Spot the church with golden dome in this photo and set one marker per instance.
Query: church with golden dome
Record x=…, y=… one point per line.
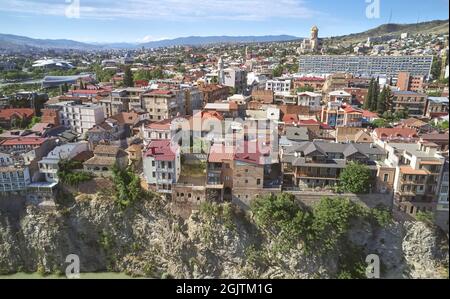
x=311, y=45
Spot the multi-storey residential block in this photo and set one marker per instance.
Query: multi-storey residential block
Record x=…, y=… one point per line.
x=164, y=104
x=319, y=164
x=315, y=82
x=48, y=166
x=14, y=177
x=165, y=129
x=406, y=135
x=418, y=171
x=406, y=82
x=366, y=65
x=162, y=165
x=335, y=114
x=414, y=103
x=235, y=78
x=279, y=84
x=80, y=118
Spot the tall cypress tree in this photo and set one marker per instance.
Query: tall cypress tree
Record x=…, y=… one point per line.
x=368, y=101
x=375, y=93
x=128, y=77
x=381, y=103
x=388, y=102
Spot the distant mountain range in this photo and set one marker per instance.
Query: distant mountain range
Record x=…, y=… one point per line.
x=14, y=42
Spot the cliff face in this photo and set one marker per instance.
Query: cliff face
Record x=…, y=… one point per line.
x=146, y=239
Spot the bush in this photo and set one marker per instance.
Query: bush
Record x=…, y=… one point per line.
x=68, y=176
x=426, y=217
x=380, y=216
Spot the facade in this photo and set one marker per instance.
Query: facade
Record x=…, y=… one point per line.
x=315, y=82
x=279, y=85
x=336, y=115
x=80, y=118
x=310, y=99
x=414, y=103
x=442, y=204
x=235, y=78
x=14, y=178
x=365, y=65
x=406, y=82
x=418, y=171
x=164, y=104
x=319, y=164
x=162, y=165
x=214, y=93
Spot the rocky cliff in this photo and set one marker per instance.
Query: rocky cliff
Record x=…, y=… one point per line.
x=146, y=239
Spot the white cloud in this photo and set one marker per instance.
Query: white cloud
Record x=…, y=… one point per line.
x=150, y=38
x=170, y=10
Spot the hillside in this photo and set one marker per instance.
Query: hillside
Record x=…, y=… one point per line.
x=395, y=30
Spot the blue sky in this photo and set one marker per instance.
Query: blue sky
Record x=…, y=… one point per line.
x=146, y=20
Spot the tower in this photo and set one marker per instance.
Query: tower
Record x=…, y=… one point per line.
x=220, y=71
x=314, y=40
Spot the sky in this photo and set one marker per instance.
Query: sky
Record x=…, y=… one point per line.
x=135, y=21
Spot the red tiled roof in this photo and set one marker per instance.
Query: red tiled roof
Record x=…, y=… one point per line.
x=21, y=112
x=308, y=122
x=318, y=79
x=249, y=152
x=160, y=125
x=290, y=118
x=369, y=114
x=85, y=91
x=350, y=109
x=218, y=153
x=23, y=141
x=161, y=150
x=160, y=92
x=396, y=132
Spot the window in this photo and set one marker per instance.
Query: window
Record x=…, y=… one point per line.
x=169, y=164
x=258, y=181
x=154, y=174
x=153, y=163
x=385, y=177
x=246, y=181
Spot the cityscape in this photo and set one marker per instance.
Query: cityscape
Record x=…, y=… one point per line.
x=225, y=156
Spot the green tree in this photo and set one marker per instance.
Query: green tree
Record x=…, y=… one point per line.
x=368, y=102
x=127, y=185
x=436, y=68
x=380, y=123
x=375, y=94
x=34, y=120
x=384, y=100
x=278, y=71
x=305, y=88
x=355, y=178
x=128, y=77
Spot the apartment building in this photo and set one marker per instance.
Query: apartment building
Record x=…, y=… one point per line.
x=406, y=135
x=406, y=82
x=319, y=164
x=48, y=166
x=164, y=104
x=235, y=78
x=413, y=102
x=361, y=65
x=335, y=115
x=193, y=98
x=279, y=84
x=21, y=144
x=14, y=176
x=316, y=83
x=418, y=171
x=162, y=165
x=165, y=129
x=79, y=117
